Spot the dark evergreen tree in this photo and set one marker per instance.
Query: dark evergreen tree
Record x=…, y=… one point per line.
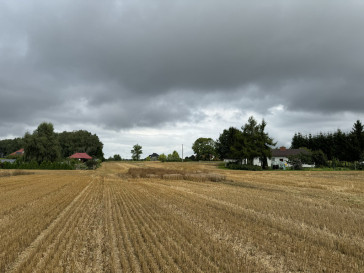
x=252, y=142
x=225, y=142
x=338, y=145
x=298, y=141
x=357, y=140
x=251, y=135
x=264, y=144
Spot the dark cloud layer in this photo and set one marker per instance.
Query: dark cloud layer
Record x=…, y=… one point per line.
x=121, y=64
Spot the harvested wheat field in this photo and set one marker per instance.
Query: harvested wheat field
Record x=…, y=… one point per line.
x=181, y=217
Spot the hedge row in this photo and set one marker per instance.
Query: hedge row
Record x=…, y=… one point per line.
x=33, y=165
x=236, y=166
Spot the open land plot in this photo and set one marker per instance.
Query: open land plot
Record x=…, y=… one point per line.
x=181, y=217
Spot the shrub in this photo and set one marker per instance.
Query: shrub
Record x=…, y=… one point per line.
x=296, y=163
x=92, y=164
x=33, y=165
x=237, y=166
x=319, y=158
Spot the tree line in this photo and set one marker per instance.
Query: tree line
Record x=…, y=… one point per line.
x=342, y=146
x=137, y=151
x=45, y=145
x=249, y=142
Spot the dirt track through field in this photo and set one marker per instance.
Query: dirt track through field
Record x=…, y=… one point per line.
x=108, y=221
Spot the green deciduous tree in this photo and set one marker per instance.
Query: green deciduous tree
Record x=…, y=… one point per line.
x=136, y=152
x=249, y=143
x=204, y=148
x=174, y=156
x=162, y=157
x=117, y=157
x=42, y=145
x=80, y=141
x=8, y=146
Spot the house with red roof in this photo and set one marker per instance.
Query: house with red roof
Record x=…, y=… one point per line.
x=18, y=152
x=81, y=156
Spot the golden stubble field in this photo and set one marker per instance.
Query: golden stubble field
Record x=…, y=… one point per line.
x=181, y=217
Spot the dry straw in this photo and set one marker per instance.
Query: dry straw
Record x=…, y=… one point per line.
x=14, y=173
x=174, y=174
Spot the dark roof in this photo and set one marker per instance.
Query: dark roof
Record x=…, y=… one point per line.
x=154, y=155
x=287, y=152
x=81, y=156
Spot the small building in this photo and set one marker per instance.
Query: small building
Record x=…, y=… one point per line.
x=154, y=157
x=81, y=156
x=18, y=152
x=280, y=157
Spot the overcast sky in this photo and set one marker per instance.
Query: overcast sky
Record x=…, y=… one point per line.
x=164, y=73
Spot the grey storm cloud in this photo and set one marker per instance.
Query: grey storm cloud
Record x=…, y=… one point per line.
x=142, y=63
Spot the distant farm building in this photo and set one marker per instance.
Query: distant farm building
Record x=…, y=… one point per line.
x=154, y=156
x=18, y=152
x=279, y=160
x=280, y=157
x=81, y=156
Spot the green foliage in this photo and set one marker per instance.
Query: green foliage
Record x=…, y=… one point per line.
x=251, y=134
x=92, y=164
x=357, y=140
x=136, y=152
x=237, y=166
x=174, y=157
x=147, y=158
x=264, y=144
x=297, y=161
x=251, y=142
x=117, y=157
x=319, y=159
x=33, y=165
x=204, y=148
x=190, y=158
x=162, y=157
x=8, y=146
x=360, y=165
x=42, y=145
x=238, y=149
x=80, y=141
x=225, y=142
x=340, y=145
